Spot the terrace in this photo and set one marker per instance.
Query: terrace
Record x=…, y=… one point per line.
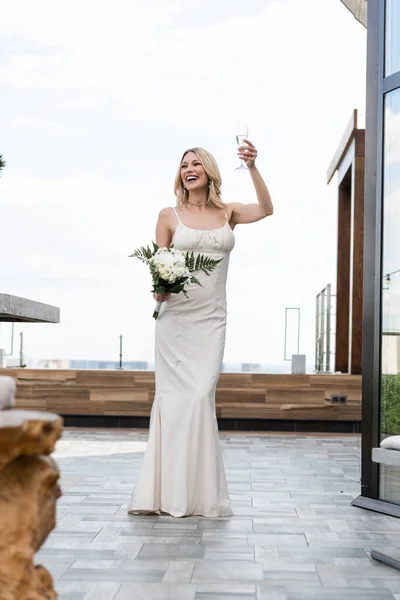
x=294, y=534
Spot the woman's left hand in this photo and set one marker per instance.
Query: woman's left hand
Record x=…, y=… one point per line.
x=248, y=154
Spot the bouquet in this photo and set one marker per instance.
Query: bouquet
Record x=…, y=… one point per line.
x=171, y=270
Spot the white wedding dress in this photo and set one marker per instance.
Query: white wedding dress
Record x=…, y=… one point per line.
x=182, y=471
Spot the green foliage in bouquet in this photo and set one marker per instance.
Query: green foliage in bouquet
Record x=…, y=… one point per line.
x=193, y=264
x=145, y=253
x=200, y=263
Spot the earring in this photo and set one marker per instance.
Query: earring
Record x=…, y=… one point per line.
x=184, y=190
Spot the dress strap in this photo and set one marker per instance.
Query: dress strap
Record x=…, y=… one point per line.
x=176, y=214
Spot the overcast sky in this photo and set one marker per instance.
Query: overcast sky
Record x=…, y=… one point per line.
x=98, y=101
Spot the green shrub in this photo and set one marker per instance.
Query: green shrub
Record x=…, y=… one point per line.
x=390, y=405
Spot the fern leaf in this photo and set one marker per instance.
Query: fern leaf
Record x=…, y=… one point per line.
x=195, y=280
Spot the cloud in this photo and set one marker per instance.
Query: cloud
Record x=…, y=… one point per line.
x=99, y=103
x=72, y=247
x=150, y=65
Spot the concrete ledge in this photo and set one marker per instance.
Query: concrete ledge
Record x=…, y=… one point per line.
x=15, y=309
x=386, y=457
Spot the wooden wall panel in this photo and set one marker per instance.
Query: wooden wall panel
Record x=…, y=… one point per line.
x=343, y=279
x=239, y=395
x=358, y=255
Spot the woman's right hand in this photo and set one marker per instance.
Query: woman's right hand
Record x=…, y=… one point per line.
x=159, y=298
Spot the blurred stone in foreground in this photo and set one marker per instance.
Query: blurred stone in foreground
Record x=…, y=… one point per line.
x=29, y=490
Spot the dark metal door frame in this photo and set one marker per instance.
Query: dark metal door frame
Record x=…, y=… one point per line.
x=377, y=87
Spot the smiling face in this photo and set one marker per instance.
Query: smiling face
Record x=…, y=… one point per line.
x=198, y=174
x=193, y=173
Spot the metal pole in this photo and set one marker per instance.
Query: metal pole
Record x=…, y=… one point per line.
x=328, y=327
x=21, y=349
x=323, y=329
x=284, y=347
x=298, y=333
x=317, y=334
x=120, y=351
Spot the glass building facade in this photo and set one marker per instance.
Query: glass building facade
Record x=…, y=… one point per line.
x=381, y=318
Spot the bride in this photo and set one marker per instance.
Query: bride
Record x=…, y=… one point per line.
x=182, y=471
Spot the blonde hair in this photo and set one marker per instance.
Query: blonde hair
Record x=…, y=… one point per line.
x=211, y=168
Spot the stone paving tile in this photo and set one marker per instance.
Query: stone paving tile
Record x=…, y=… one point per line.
x=179, y=571
x=152, y=591
x=71, y=587
x=171, y=551
x=57, y=569
x=49, y=555
x=103, y=591
x=201, y=596
x=277, y=539
x=227, y=552
x=129, y=550
x=391, y=584
x=290, y=525
x=333, y=593
x=82, y=563
x=295, y=577
x=231, y=571
x=294, y=534
x=316, y=555
x=115, y=576
x=226, y=589
x=179, y=540
x=271, y=593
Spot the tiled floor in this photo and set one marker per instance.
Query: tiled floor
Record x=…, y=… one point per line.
x=294, y=535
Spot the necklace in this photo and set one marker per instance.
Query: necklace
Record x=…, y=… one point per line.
x=194, y=203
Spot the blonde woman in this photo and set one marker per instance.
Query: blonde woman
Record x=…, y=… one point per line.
x=182, y=472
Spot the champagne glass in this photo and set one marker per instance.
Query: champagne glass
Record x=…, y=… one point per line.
x=240, y=137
